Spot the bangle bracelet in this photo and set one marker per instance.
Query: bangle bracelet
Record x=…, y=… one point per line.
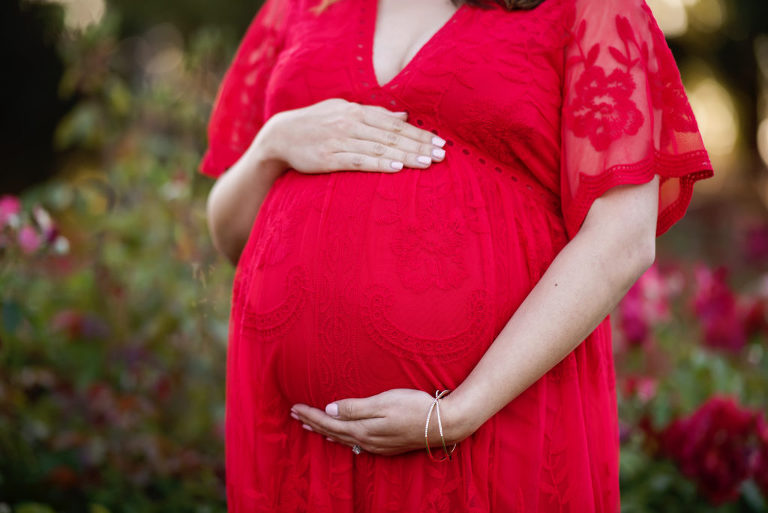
x=435, y=404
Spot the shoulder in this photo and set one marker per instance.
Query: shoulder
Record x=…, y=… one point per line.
x=271, y=22
x=606, y=5
x=597, y=10
x=279, y=13
x=613, y=21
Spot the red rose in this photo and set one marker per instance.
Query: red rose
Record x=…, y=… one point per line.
x=714, y=447
x=760, y=459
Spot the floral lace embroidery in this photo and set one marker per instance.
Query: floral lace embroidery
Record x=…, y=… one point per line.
x=431, y=254
x=667, y=91
x=270, y=325
x=337, y=343
x=602, y=108
x=377, y=305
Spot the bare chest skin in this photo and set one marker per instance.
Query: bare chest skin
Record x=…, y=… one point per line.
x=402, y=28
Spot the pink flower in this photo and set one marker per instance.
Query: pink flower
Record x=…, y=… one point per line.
x=642, y=387
x=646, y=304
x=756, y=244
x=633, y=322
x=714, y=447
x=721, y=314
x=29, y=240
x=10, y=206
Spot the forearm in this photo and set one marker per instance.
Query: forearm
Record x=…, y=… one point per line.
x=237, y=195
x=580, y=288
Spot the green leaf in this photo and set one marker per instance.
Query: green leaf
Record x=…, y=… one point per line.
x=11, y=316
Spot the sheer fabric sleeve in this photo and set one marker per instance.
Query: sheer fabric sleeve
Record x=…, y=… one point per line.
x=238, y=109
x=625, y=114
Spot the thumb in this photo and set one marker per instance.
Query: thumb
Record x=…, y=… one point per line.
x=351, y=409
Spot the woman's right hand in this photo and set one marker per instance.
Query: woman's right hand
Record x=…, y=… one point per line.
x=336, y=134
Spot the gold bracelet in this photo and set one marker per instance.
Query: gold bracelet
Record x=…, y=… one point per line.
x=435, y=403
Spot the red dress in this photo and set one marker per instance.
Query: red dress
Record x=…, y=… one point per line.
x=353, y=283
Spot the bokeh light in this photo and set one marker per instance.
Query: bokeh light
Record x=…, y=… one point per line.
x=762, y=140
x=80, y=14
x=671, y=16
x=716, y=114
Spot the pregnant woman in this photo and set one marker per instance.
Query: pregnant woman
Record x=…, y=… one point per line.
x=430, y=196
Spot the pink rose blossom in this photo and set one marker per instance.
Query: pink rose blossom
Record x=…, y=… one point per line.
x=646, y=304
x=29, y=240
x=756, y=244
x=10, y=206
x=642, y=387
x=721, y=313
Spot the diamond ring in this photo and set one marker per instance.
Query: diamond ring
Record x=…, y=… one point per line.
x=357, y=449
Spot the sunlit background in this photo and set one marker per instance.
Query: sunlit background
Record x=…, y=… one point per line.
x=113, y=304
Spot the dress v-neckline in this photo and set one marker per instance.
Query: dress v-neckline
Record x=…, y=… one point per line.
x=373, y=10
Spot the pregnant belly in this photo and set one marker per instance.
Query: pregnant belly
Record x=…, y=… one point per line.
x=362, y=282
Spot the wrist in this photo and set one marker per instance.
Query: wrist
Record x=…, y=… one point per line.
x=265, y=154
x=459, y=421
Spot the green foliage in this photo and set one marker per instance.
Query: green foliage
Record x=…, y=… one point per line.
x=112, y=389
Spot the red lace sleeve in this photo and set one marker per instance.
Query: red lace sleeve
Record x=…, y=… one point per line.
x=237, y=113
x=625, y=113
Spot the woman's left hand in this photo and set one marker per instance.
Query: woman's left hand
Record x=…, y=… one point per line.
x=388, y=423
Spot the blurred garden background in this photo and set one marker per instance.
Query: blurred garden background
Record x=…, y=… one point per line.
x=114, y=305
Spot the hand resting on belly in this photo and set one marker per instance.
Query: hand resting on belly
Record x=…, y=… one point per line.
x=331, y=135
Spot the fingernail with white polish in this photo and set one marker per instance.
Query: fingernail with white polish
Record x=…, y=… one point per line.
x=294, y=416
x=307, y=427
x=332, y=410
x=438, y=141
